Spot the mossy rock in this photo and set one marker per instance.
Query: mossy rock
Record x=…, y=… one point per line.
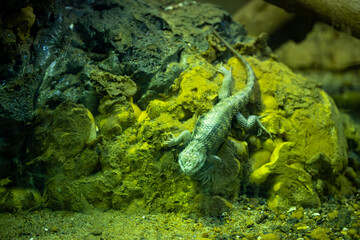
x=132, y=170
x=300, y=116
x=18, y=199
x=62, y=140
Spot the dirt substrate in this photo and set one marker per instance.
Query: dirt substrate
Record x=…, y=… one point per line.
x=249, y=219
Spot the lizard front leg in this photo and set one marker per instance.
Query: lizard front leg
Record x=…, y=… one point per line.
x=227, y=83
x=184, y=137
x=206, y=175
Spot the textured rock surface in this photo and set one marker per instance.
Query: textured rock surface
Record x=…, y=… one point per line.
x=331, y=58
x=298, y=167
x=140, y=86
x=307, y=120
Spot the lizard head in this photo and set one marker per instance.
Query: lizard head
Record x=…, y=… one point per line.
x=192, y=158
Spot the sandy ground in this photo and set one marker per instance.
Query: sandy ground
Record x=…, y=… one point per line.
x=249, y=219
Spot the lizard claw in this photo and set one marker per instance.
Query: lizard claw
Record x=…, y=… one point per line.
x=171, y=139
x=206, y=176
x=262, y=127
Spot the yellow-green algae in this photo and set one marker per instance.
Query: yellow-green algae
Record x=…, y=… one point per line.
x=306, y=120
x=17, y=199
x=302, y=118
x=126, y=165
x=113, y=85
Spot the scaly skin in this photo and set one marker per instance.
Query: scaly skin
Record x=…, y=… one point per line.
x=212, y=128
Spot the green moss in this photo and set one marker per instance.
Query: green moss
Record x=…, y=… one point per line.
x=145, y=174
x=17, y=199
x=60, y=138
x=115, y=116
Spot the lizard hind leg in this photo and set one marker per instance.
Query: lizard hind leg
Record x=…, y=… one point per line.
x=250, y=122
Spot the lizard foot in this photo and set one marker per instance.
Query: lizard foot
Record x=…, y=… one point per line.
x=172, y=141
x=250, y=122
x=206, y=175
x=261, y=126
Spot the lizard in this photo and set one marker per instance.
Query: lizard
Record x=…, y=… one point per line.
x=212, y=127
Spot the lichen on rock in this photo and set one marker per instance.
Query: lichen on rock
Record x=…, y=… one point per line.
x=305, y=120
x=290, y=102
x=149, y=178
x=145, y=90
x=113, y=85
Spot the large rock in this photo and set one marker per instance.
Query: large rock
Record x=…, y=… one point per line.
x=301, y=164
x=125, y=165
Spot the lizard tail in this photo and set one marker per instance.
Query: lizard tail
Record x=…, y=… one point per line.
x=245, y=93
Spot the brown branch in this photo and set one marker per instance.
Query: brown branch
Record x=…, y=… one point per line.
x=341, y=14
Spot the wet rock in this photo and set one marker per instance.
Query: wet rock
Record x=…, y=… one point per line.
x=18, y=199
x=286, y=171
x=115, y=116
x=64, y=79
x=225, y=179
x=302, y=138
x=112, y=85
x=215, y=206
x=147, y=70
x=83, y=193
x=21, y=22
x=16, y=99
x=62, y=140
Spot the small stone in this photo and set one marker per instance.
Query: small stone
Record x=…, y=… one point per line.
x=333, y=215
x=319, y=234
x=262, y=218
x=356, y=206
x=249, y=224
x=270, y=236
x=54, y=229
x=352, y=232
x=297, y=214
x=96, y=231
x=315, y=214
x=301, y=227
